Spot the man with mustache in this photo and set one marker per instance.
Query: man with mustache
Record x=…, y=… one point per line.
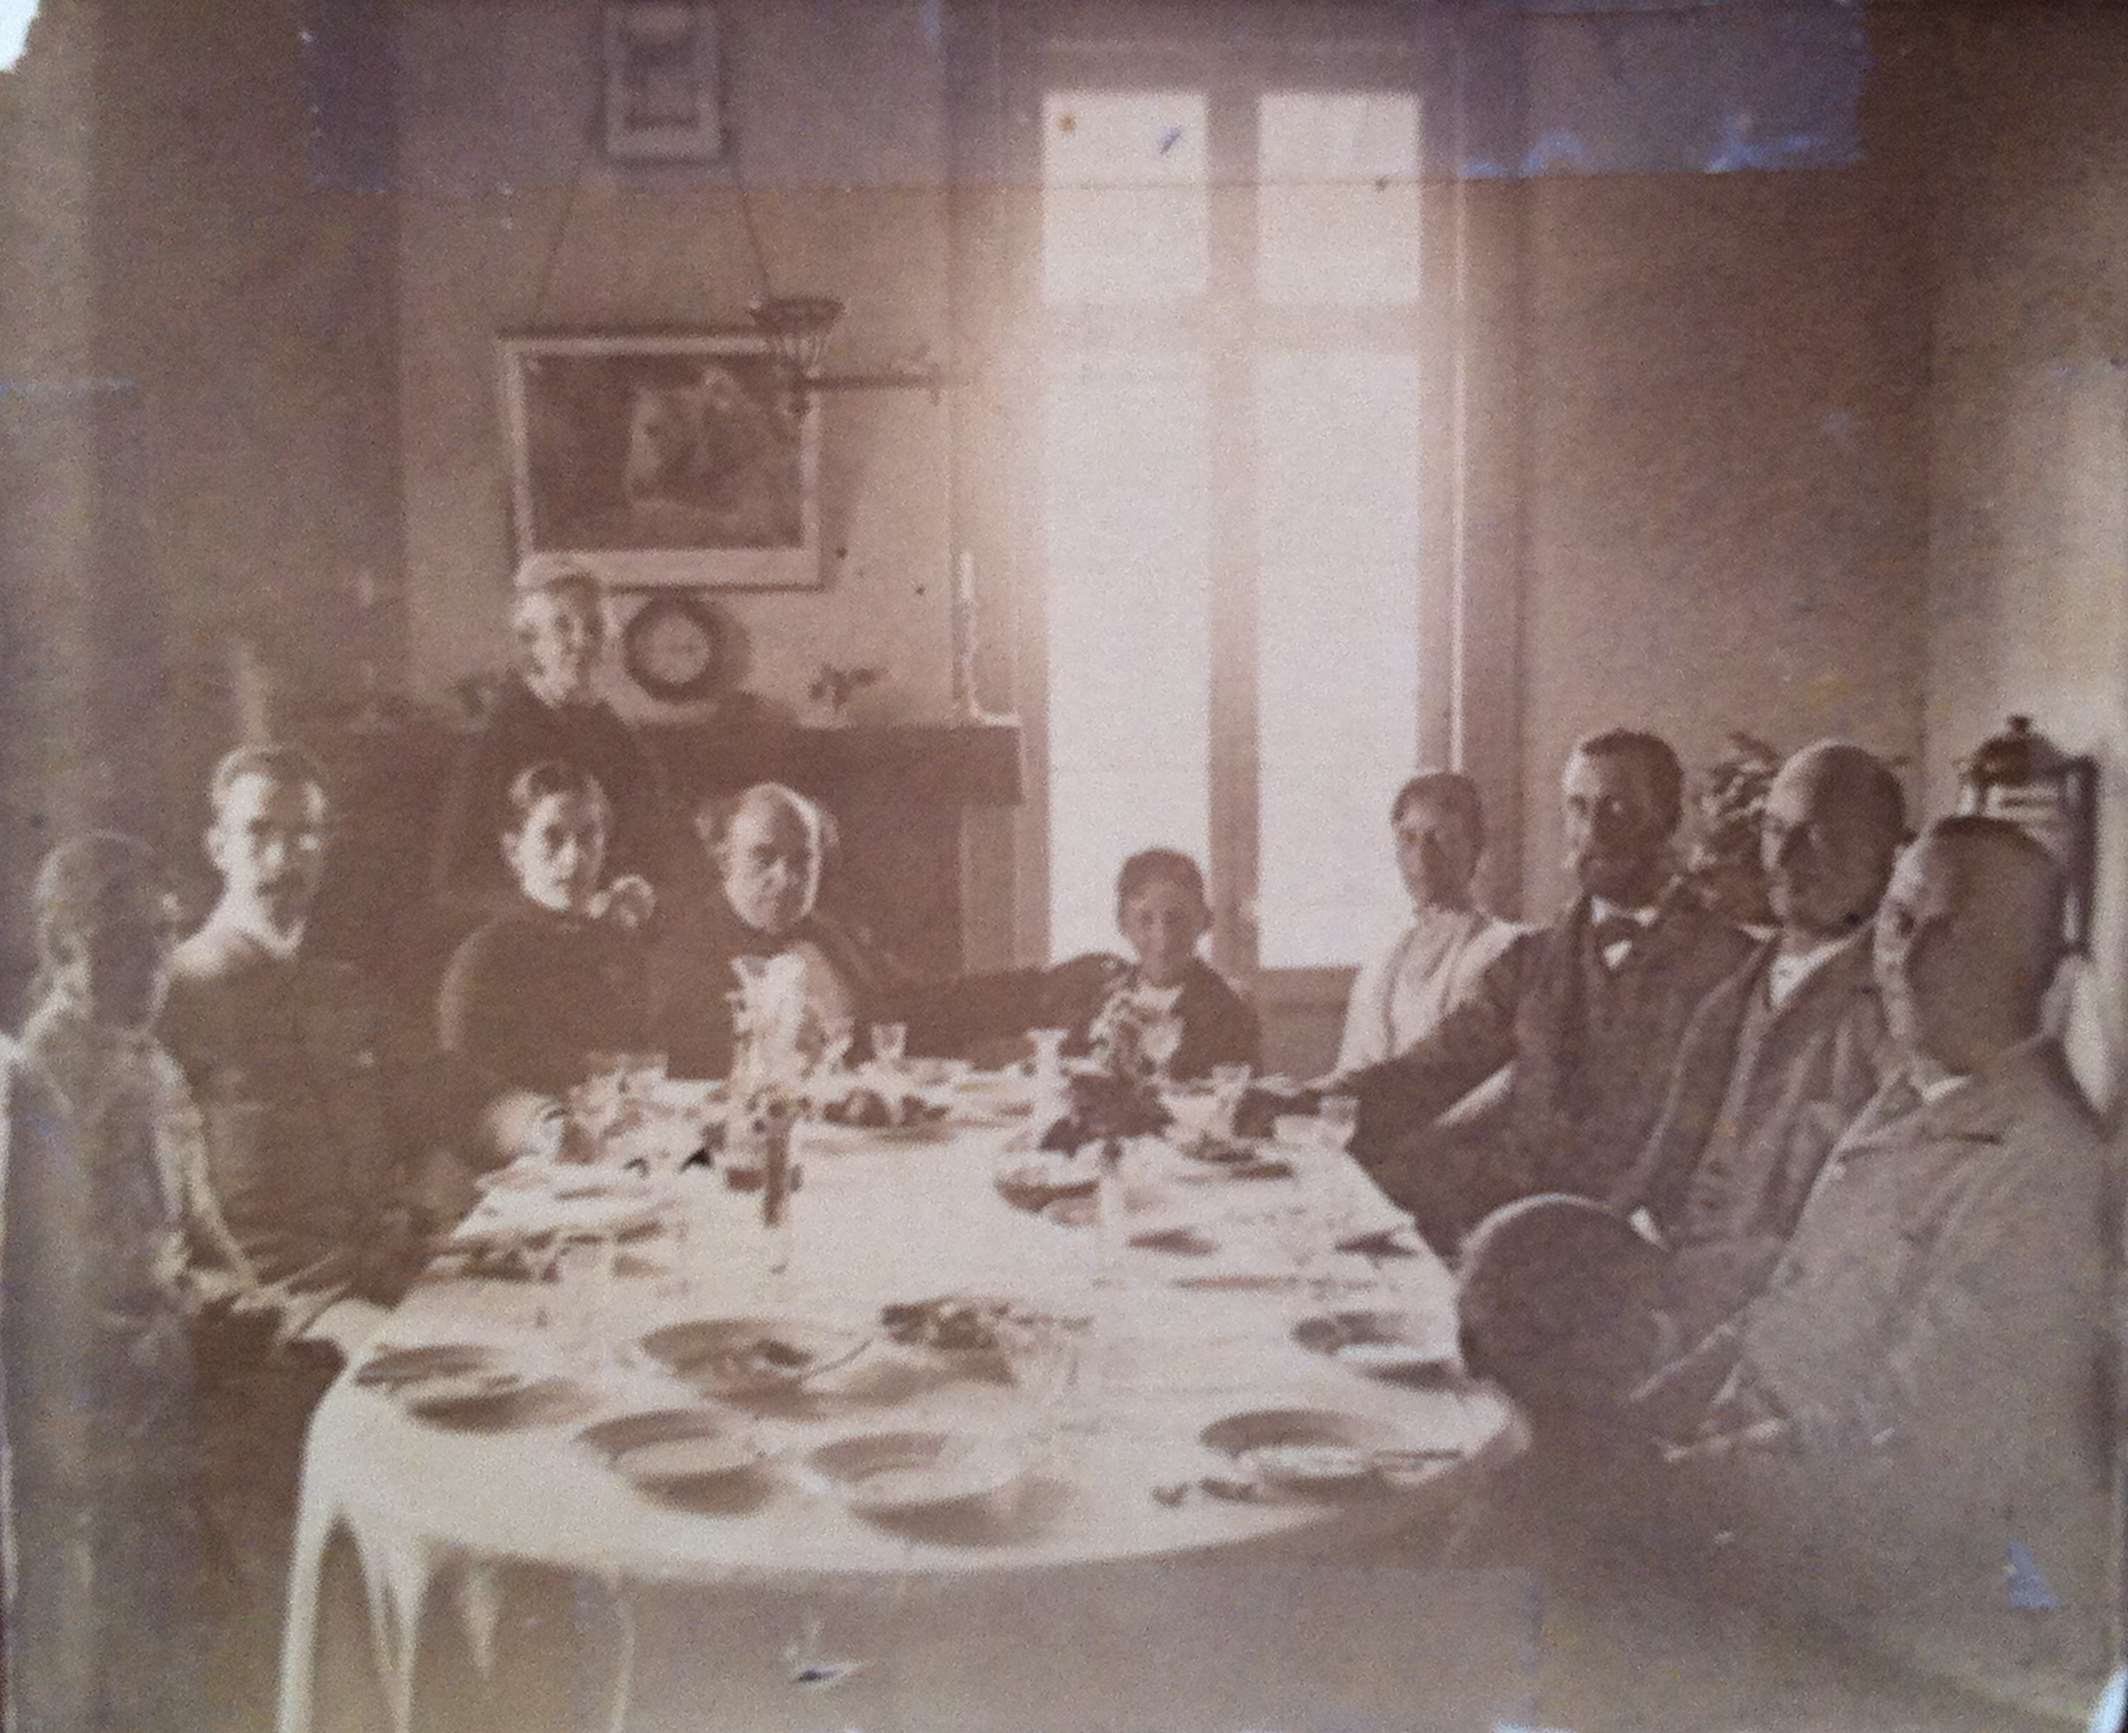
x=1776, y=1064
x=315, y=1104
x=1589, y=1010
x=319, y=1119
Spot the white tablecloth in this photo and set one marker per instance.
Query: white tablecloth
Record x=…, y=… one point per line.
x=766, y=1589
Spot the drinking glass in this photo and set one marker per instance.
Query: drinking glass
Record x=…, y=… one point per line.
x=586, y=1262
x=1048, y=1050
x=605, y=1080
x=1230, y=1087
x=1337, y=1117
x=890, y=1041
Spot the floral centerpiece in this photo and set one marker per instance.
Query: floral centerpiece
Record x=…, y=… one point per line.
x=1132, y=1038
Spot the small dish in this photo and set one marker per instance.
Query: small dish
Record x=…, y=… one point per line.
x=744, y=1356
x=672, y=1449
x=1304, y=1450
x=470, y=1393
x=393, y=1368
x=885, y=1472
x=1034, y=1182
x=1381, y=1344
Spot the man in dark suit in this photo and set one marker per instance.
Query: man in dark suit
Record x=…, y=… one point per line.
x=1589, y=1012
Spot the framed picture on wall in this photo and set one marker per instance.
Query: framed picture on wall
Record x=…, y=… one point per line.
x=665, y=459
x=662, y=99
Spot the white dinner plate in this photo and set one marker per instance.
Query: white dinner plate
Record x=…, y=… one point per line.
x=899, y=1471
x=743, y=1356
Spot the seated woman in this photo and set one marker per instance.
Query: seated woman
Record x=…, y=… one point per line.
x=559, y=976
x=110, y=1248
x=1163, y=914
x=1438, y=822
x=766, y=848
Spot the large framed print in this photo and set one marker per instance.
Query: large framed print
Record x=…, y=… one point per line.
x=666, y=459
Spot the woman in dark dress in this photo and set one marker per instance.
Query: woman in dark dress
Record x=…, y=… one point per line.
x=549, y=711
x=559, y=975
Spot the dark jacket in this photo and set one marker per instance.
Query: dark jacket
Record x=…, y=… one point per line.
x=692, y=976
x=1591, y=1047
x=1219, y=1026
x=1757, y=1099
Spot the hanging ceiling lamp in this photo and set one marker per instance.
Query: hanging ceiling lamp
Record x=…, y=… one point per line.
x=798, y=329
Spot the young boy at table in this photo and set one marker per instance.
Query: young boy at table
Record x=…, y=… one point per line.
x=558, y=976
x=1163, y=913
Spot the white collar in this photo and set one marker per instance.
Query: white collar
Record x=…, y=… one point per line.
x=1790, y=970
x=251, y=923
x=1601, y=909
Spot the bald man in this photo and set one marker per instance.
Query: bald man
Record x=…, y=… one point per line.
x=1904, y=1430
x=767, y=848
x=1784, y=1055
x=1776, y=1063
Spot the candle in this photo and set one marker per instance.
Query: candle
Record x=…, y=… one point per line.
x=963, y=621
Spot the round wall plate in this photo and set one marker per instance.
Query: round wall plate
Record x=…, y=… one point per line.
x=673, y=648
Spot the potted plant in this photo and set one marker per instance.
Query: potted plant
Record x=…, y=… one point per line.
x=1730, y=798
x=833, y=688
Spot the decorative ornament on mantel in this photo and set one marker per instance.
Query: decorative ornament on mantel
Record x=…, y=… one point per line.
x=833, y=688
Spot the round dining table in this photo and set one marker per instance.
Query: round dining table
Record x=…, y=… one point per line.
x=476, y=1555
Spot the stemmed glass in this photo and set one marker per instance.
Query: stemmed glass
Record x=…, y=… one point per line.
x=1230, y=1087
x=890, y=1044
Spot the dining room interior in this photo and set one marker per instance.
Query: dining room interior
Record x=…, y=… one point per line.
x=1036, y=434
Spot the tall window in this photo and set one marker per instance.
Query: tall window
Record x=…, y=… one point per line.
x=1231, y=489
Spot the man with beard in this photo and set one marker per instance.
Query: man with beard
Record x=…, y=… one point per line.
x=1777, y=1063
x=549, y=710
x=1589, y=1010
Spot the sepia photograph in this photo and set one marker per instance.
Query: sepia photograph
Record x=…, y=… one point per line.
x=1111, y=866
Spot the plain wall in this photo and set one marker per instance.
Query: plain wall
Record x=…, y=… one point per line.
x=2022, y=138
x=1724, y=487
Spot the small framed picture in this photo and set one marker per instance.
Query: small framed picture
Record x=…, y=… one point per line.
x=666, y=458
x=662, y=98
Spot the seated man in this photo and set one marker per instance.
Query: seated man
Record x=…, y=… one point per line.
x=1777, y=1063
x=1438, y=822
x=318, y=1112
x=1903, y=1431
x=1589, y=1009
x=767, y=847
